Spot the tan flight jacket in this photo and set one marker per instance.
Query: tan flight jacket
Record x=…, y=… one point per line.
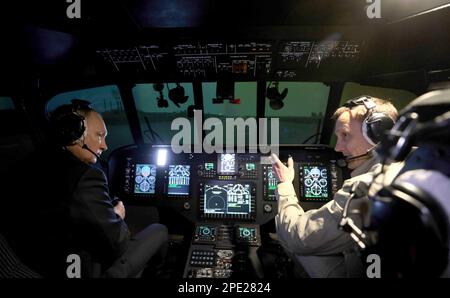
x=313, y=238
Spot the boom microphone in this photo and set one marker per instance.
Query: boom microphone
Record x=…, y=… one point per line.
x=366, y=155
x=344, y=162
x=101, y=160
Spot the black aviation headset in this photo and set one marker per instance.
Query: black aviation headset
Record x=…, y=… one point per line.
x=375, y=123
x=409, y=227
x=408, y=230
x=66, y=124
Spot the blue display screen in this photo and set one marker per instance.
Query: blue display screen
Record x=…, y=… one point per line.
x=145, y=179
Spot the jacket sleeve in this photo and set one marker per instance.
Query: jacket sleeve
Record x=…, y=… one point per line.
x=94, y=216
x=315, y=232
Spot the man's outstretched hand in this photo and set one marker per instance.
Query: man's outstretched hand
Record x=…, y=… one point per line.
x=283, y=173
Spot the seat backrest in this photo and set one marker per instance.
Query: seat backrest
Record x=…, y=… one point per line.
x=10, y=265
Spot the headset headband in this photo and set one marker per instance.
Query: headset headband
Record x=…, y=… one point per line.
x=78, y=104
x=375, y=123
x=364, y=100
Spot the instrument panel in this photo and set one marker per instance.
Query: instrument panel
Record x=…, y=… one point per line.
x=221, y=187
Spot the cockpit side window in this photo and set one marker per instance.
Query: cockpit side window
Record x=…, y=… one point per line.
x=399, y=98
x=6, y=103
x=302, y=112
x=157, y=112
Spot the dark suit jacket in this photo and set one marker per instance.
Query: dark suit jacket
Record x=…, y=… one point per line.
x=59, y=205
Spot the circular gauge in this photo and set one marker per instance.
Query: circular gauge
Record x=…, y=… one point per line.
x=145, y=171
x=308, y=182
x=215, y=202
x=206, y=231
x=151, y=179
x=246, y=233
x=323, y=182
x=138, y=179
x=144, y=186
x=153, y=171
x=316, y=190
x=323, y=173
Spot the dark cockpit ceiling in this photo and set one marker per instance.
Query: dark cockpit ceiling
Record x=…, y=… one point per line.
x=206, y=40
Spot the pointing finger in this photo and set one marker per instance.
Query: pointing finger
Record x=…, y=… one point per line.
x=275, y=159
x=290, y=163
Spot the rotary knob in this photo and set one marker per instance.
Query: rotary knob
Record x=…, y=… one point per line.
x=187, y=206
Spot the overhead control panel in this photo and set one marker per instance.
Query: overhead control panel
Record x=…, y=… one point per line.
x=203, y=60
x=237, y=60
x=150, y=58
x=310, y=54
x=297, y=57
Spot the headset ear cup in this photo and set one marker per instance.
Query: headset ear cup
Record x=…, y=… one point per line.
x=367, y=134
x=67, y=128
x=375, y=126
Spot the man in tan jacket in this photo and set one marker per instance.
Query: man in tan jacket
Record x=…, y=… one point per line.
x=313, y=238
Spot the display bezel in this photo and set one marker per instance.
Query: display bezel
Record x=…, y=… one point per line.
x=168, y=181
x=302, y=187
x=266, y=184
x=250, y=215
x=135, y=175
x=219, y=164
